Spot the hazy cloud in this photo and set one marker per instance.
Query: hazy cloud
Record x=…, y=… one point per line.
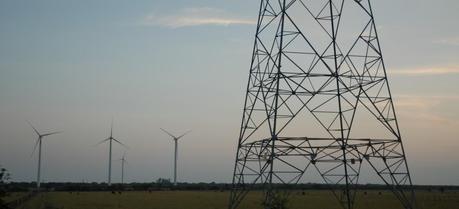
x=426, y=71
x=195, y=17
x=426, y=107
x=454, y=41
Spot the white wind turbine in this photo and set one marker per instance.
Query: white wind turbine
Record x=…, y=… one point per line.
x=123, y=161
x=110, y=139
x=176, y=150
x=39, y=144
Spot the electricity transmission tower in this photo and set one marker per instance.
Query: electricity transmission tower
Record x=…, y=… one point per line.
x=318, y=105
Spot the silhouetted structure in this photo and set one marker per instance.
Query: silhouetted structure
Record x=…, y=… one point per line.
x=38, y=144
x=110, y=140
x=175, y=138
x=318, y=104
x=123, y=162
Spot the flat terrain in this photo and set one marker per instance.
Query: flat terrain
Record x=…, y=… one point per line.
x=13, y=196
x=219, y=200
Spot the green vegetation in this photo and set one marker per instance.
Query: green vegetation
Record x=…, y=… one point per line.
x=278, y=201
x=4, y=177
x=13, y=196
x=218, y=200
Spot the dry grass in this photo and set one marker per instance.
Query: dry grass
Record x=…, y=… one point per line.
x=219, y=200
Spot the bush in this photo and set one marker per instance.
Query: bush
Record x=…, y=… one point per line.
x=4, y=177
x=277, y=201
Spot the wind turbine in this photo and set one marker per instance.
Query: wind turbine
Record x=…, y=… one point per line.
x=176, y=149
x=123, y=161
x=39, y=143
x=110, y=139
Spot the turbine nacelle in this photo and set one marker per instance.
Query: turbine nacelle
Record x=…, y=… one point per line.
x=112, y=138
x=40, y=136
x=175, y=138
x=124, y=159
x=115, y=140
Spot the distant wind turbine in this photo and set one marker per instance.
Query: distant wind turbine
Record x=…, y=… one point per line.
x=176, y=150
x=39, y=143
x=123, y=161
x=110, y=139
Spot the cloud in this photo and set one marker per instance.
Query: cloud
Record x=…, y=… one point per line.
x=454, y=41
x=195, y=17
x=425, y=71
x=427, y=108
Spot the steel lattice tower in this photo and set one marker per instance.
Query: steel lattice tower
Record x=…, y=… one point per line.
x=318, y=103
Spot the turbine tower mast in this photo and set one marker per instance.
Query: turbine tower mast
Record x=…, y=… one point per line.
x=175, y=151
x=110, y=140
x=38, y=144
x=318, y=101
x=123, y=162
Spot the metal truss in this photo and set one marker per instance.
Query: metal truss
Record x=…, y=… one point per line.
x=318, y=72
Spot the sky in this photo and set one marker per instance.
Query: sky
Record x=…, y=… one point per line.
x=73, y=66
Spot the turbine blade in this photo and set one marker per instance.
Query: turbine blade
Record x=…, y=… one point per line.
x=52, y=133
x=120, y=143
x=35, y=147
x=184, y=134
x=33, y=128
x=102, y=141
x=168, y=133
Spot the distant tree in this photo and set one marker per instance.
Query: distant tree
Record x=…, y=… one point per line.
x=278, y=201
x=4, y=178
x=163, y=182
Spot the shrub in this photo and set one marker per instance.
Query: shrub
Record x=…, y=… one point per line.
x=277, y=201
x=4, y=177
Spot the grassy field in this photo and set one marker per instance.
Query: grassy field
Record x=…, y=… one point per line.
x=219, y=200
x=13, y=196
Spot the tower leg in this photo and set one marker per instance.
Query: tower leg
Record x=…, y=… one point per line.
x=175, y=161
x=122, y=172
x=39, y=165
x=110, y=164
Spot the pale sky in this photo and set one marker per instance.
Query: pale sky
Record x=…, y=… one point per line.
x=181, y=65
